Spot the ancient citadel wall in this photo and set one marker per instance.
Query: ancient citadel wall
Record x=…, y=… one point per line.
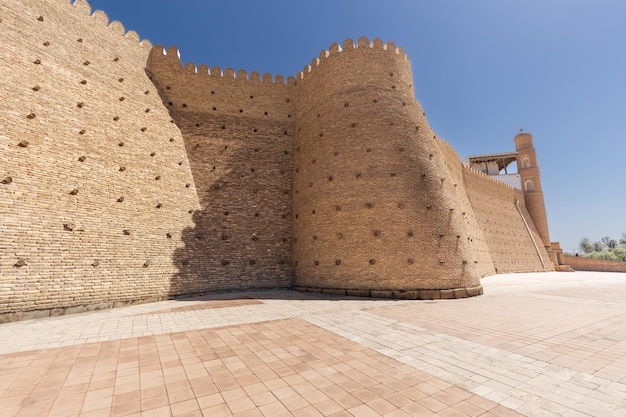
x=475, y=235
x=506, y=235
x=93, y=194
x=238, y=132
x=375, y=208
x=126, y=177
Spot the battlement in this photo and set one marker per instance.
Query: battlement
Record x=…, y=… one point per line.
x=445, y=144
x=494, y=179
x=348, y=45
x=171, y=56
x=83, y=7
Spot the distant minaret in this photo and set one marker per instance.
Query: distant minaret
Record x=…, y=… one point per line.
x=531, y=184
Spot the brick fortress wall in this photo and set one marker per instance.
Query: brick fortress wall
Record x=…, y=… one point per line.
x=238, y=133
x=126, y=177
x=93, y=196
x=578, y=263
x=474, y=234
x=375, y=207
x=506, y=235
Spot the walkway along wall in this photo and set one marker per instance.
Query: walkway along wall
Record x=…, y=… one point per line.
x=127, y=177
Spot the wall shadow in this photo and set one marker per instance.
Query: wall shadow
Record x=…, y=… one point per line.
x=241, y=239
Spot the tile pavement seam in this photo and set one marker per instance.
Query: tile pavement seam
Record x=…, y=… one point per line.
x=573, y=300
x=122, y=324
x=482, y=370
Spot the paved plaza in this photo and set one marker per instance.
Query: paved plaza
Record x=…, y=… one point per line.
x=550, y=344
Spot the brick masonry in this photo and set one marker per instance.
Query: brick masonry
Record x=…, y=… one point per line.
x=578, y=263
x=126, y=177
x=238, y=133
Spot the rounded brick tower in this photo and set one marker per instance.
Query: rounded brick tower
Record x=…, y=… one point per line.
x=374, y=203
x=531, y=184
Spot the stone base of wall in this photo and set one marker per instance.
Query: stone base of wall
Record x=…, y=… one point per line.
x=563, y=268
x=400, y=294
x=61, y=311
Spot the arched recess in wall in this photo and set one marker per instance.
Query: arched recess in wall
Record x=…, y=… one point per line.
x=529, y=186
x=525, y=162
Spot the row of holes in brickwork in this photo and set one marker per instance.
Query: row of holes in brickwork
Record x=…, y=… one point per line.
x=185, y=262
x=224, y=236
x=219, y=186
x=21, y=262
x=214, y=108
x=251, y=262
x=371, y=205
x=119, y=200
x=282, y=172
x=83, y=158
x=367, y=150
x=224, y=262
x=254, y=130
x=377, y=234
x=74, y=191
x=353, y=125
x=360, y=175
x=81, y=104
x=257, y=214
x=332, y=177
x=200, y=236
x=347, y=104
x=229, y=95
x=372, y=262
x=86, y=63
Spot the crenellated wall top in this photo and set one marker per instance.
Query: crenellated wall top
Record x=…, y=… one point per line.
x=491, y=178
x=363, y=43
x=83, y=7
x=171, y=56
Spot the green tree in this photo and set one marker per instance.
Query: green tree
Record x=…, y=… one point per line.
x=585, y=245
x=606, y=248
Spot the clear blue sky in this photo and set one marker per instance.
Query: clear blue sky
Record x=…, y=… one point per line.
x=483, y=69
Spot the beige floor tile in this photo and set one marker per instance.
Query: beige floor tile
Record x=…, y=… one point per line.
x=534, y=342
